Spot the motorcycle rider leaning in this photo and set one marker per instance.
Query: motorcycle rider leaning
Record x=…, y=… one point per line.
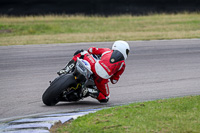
x=110, y=66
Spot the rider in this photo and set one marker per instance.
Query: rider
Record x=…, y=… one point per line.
x=110, y=66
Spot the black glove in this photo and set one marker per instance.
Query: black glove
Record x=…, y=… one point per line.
x=78, y=51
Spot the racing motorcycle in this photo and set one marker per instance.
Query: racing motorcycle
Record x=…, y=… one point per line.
x=71, y=86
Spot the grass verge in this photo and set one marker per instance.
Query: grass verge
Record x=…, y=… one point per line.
x=180, y=115
x=65, y=29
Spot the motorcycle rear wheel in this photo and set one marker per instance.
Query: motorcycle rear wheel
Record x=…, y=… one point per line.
x=52, y=94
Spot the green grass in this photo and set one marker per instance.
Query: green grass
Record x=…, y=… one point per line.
x=176, y=115
x=64, y=29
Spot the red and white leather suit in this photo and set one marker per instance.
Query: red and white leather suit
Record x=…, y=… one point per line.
x=104, y=69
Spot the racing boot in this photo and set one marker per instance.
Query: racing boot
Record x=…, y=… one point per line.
x=68, y=69
x=94, y=93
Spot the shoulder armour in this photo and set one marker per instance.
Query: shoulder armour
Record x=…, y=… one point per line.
x=116, y=56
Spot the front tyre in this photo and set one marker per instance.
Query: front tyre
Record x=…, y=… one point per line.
x=53, y=93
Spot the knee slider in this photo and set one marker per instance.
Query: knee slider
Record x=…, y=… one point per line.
x=103, y=100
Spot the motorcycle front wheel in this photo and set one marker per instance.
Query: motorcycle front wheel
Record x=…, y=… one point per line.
x=52, y=94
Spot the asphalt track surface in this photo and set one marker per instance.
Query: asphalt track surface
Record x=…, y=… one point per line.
x=155, y=70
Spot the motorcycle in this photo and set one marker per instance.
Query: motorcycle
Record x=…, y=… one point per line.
x=70, y=86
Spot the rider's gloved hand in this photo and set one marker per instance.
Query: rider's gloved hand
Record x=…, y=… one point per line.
x=90, y=50
x=113, y=80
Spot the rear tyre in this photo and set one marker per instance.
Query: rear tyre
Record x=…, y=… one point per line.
x=53, y=93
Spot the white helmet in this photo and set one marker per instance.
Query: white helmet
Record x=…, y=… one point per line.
x=122, y=47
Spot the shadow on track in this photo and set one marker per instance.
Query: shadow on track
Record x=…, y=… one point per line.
x=79, y=103
x=82, y=103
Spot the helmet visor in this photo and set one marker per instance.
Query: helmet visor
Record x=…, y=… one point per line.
x=127, y=52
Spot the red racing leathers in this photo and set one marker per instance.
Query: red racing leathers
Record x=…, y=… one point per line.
x=110, y=66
